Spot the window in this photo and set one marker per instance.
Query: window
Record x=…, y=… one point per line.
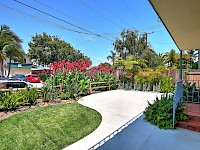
x=24, y=60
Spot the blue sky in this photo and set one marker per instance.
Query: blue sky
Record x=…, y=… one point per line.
x=102, y=17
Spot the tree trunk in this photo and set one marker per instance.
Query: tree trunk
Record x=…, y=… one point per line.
x=1, y=66
x=9, y=67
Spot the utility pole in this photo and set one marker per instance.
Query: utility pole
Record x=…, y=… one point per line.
x=146, y=35
x=146, y=38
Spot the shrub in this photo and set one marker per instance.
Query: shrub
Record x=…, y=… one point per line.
x=49, y=93
x=9, y=101
x=166, y=85
x=64, y=96
x=124, y=79
x=148, y=79
x=160, y=113
x=76, y=82
x=43, y=77
x=29, y=96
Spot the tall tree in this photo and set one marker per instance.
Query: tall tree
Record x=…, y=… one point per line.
x=45, y=49
x=192, y=55
x=13, y=52
x=170, y=58
x=112, y=57
x=7, y=37
x=153, y=59
x=131, y=43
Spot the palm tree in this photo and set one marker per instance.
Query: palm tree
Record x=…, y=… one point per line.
x=13, y=52
x=7, y=37
x=132, y=66
x=170, y=58
x=112, y=57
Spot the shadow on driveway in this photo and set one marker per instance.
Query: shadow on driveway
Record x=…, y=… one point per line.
x=141, y=135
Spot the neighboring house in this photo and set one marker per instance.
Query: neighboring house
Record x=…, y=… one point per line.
x=39, y=69
x=17, y=67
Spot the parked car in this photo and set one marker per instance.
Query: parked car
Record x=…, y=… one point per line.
x=19, y=77
x=33, y=78
x=3, y=78
x=14, y=84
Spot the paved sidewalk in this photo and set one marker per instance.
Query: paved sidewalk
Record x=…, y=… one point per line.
x=116, y=107
x=141, y=135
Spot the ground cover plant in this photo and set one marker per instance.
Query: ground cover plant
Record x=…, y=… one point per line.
x=50, y=128
x=160, y=113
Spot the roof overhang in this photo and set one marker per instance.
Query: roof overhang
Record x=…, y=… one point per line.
x=182, y=20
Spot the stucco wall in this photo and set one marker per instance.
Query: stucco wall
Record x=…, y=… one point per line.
x=24, y=71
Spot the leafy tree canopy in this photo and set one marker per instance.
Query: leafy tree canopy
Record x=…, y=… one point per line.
x=135, y=44
x=45, y=49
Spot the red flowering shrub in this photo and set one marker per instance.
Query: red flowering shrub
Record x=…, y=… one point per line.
x=75, y=77
x=65, y=66
x=93, y=73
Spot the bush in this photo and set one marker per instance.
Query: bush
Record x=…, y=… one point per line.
x=29, y=96
x=124, y=79
x=43, y=77
x=9, y=101
x=76, y=83
x=49, y=93
x=65, y=96
x=166, y=85
x=160, y=113
x=148, y=79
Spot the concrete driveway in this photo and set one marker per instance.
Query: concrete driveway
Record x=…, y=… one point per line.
x=141, y=135
x=116, y=107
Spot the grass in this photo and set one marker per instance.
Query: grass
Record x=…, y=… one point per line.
x=48, y=128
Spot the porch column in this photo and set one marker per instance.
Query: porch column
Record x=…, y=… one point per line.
x=181, y=67
x=199, y=59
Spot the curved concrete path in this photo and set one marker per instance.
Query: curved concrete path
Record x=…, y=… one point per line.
x=116, y=107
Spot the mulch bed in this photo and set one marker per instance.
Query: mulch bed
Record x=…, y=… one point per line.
x=6, y=114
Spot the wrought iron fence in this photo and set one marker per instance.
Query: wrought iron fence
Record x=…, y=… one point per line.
x=191, y=91
x=139, y=87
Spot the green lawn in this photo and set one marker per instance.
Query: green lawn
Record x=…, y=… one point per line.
x=50, y=128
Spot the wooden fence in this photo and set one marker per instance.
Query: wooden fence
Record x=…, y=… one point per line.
x=60, y=86
x=99, y=85
x=94, y=87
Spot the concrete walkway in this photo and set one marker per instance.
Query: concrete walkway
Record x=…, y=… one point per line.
x=141, y=135
x=116, y=107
